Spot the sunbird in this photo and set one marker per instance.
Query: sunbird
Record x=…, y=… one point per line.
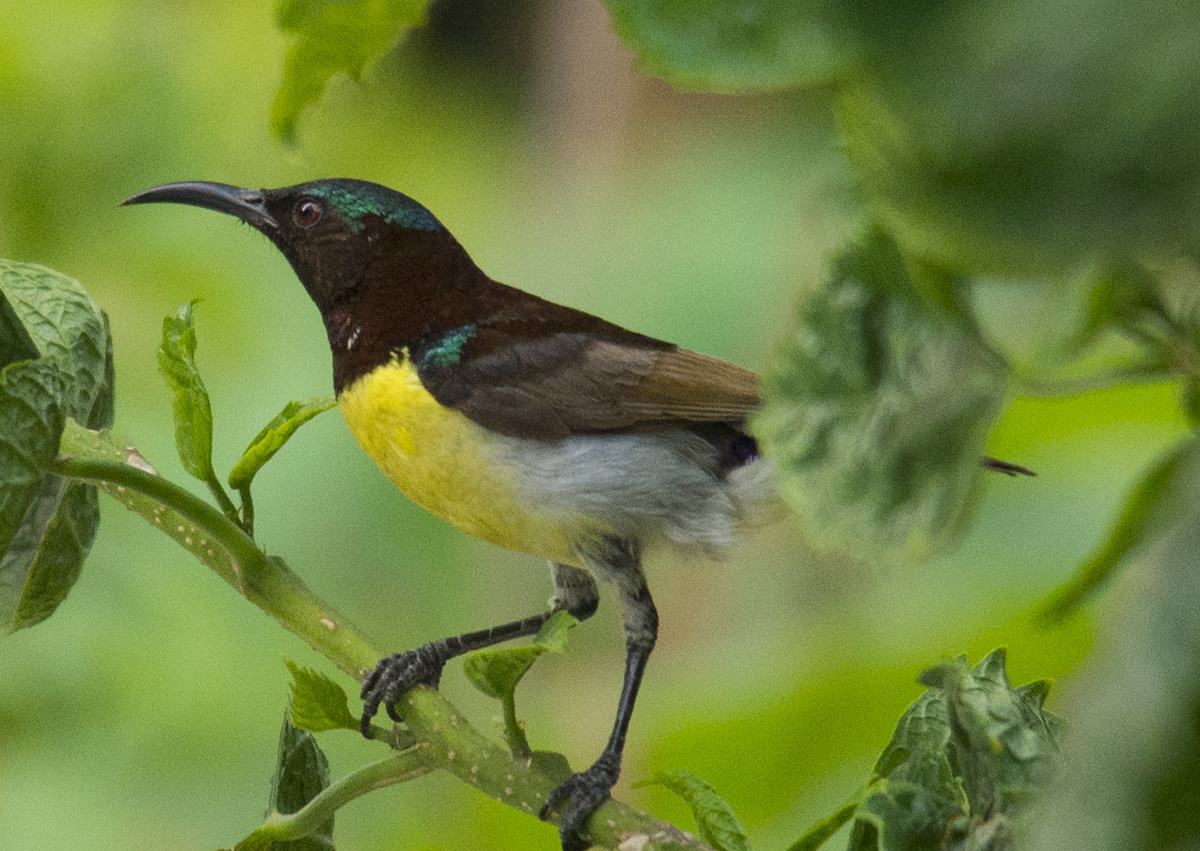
x=532, y=425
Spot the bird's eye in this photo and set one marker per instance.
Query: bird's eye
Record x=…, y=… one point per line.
x=308, y=213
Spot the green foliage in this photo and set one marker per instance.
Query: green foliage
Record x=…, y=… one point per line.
x=273, y=436
x=966, y=757
x=318, y=703
x=715, y=820
x=190, y=404
x=496, y=671
x=1021, y=138
x=1006, y=746
x=332, y=36
x=301, y=773
x=57, y=365
x=60, y=320
x=1000, y=139
x=878, y=407
x=718, y=45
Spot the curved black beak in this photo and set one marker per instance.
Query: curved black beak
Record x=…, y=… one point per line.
x=249, y=205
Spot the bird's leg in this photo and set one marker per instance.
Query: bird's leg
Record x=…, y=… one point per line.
x=574, y=591
x=581, y=793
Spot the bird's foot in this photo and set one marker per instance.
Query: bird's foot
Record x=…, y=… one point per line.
x=582, y=793
x=396, y=674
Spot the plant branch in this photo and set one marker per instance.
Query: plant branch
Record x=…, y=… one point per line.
x=219, y=543
x=444, y=738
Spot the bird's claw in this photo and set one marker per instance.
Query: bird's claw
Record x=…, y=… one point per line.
x=396, y=674
x=582, y=793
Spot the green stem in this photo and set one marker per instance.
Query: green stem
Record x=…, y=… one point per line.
x=398, y=768
x=264, y=580
x=247, y=523
x=1103, y=380
x=513, y=732
x=223, y=501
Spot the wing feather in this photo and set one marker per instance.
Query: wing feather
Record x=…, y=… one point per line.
x=585, y=382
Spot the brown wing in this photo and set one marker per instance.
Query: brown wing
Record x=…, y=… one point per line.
x=604, y=379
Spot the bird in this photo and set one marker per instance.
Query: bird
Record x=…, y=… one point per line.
x=535, y=426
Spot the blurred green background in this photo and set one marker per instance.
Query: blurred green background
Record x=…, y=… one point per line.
x=145, y=713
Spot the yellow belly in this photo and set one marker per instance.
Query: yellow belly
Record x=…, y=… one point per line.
x=444, y=462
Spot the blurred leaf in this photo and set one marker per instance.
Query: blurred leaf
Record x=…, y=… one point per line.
x=899, y=815
x=964, y=758
x=58, y=365
x=1026, y=137
x=735, y=45
x=1005, y=743
x=918, y=750
x=1122, y=294
x=715, y=819
x=1132, y=769
x=332, y=36
x=914, y=791
x=1183, y=355
x=318, y=703
x=273, y=436
x=1137, y=520
x=301, y=773
x=877, y=408
x=496, y=672
x=190, y=404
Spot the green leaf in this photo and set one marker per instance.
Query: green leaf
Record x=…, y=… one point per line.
x=878, y=406
x=1138, y=519
x=31, y=423
x=55, y=363
x=735, y=46
x=965, y=756
x=1121, y=294
x=318, y=703
x=49, y=549
x=301, y=773
x=919, y=750
x=332, y=36
x=715, y=819
x=15, y=342
x=915, y=789
x=497, y=670
x=65, y=326
x=273, y=436
x=1005, y=744
x=900, y=816
x=189, y=404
